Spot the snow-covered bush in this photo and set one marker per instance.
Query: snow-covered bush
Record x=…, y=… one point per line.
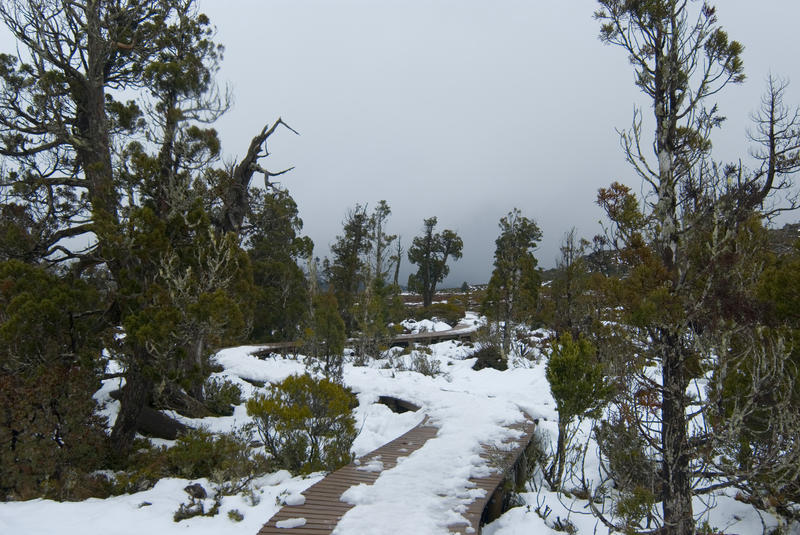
x=425, y=364
x=488, y=356
x=306, y=424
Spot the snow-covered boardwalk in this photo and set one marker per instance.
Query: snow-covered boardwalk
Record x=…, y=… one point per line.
x=463, y=332
x=323, y=507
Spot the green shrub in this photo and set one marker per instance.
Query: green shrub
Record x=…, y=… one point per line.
x=225, y=459
x=488, y=356
x=306, y=424
x=634, y=506
x=142, y=469
x=51, y=440
x=449, y=313
x=628, y=462
x=221, y=395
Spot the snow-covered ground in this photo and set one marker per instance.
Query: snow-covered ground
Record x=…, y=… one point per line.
x=424, y=493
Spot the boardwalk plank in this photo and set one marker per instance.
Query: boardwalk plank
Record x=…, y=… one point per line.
x=323, y=507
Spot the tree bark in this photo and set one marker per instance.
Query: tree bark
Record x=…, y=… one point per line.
x=135, y=396
x=676, y=477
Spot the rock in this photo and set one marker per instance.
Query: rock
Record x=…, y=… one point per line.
x=196, y=491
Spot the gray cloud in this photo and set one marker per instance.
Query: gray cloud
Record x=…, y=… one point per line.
x=461, y=109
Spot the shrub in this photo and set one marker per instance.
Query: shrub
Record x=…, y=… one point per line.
x=488, y=356
x=221, y=395
x=50, y=438
x=225, y=459
x=198, y=500
x=449, y=313
x=305, y=423
x=425, y=364
x=627, y=460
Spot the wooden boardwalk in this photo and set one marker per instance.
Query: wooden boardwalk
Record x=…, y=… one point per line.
x=461, y=332
x=510, y=462
x=323, y=509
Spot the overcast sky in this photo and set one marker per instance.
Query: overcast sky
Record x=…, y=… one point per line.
x=460, y=109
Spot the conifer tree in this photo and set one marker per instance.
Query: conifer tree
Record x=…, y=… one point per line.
x=688, y=251
x=275, y=249
x=430, y=253
x=324, y=336
x=346, y=270
x=134, y=175
x=511, y=296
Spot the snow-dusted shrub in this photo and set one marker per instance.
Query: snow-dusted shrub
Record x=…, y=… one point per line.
x=425, y=364
x=450, y=313
x=488, y=356
x=227, y=460
x=235, y=515
x=306, y=424
x=221, y=395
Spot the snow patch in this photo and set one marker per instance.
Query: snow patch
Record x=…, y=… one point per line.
x=291, y=523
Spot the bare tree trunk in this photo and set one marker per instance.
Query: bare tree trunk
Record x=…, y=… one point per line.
x=675, y=477
x=237, y=197
x=135, y=396
x=557, y=468
x=398, y=257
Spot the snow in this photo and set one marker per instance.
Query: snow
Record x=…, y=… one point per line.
x=148, y=512
x=425, y=326
x=425, y=492
x=294, y=500
x=291, y=523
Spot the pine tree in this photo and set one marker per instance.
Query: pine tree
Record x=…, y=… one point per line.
x=513, y=290
x=324, y=336
x=275, y=249
x=430, y=253
x=345, y=271
x=133, y=175
x=688, y=250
